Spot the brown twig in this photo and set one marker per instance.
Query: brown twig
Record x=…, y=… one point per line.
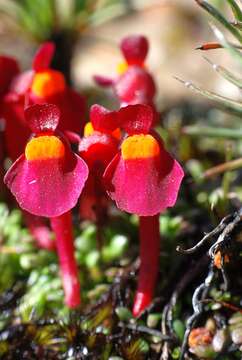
x=207, y=237
x=224, y=304
x=215, y=45
x=219, y=169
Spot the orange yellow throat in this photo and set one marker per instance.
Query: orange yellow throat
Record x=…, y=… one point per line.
x=47, y=83
x=44, y=147
x=140, y=147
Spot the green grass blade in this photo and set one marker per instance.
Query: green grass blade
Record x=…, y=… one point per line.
x=226, y=74
x=215, y=132
x=236, y=9
x=220, y=18
x=235, y=53
x=228, y=105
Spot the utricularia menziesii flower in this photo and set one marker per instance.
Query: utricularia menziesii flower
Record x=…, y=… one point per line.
x=40, y=85
x=98, y=147
x=134, y=84
x=47, y=180
x=143, y=179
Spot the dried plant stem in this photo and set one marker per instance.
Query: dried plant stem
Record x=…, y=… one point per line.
x=219, y=169
x=199, y=294
x=212, y=132
x=215, y=45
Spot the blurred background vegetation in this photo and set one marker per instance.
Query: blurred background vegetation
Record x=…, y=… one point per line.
x=87, y=34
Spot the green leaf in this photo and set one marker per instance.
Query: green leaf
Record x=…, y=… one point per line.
x=219, y=17
x=226, y=74
x=123, y=313
x=222, y=40
x=226, y=104
x=179, y=329
x=214, y=132
x=175, y=353
x=80, y=5
x=236, y=9
x=115, y=249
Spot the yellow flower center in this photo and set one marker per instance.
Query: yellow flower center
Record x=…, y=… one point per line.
x=122, y=67
x=44, y=147
x=139, y=146
x=88, y=129
x=47, y=83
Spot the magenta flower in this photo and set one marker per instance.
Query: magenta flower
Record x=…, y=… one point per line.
x=143, y=179
x=98, y=146
x=47, y=180
x=134, y=85
x=8, y=70
x=38, y=86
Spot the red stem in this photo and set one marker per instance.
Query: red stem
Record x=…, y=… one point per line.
x=62, y=226
x=40, y=231
x=149, y=262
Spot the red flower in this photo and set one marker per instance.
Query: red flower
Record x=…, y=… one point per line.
x=47, y=180
x=97, y=148
x=135, y=49
x=40, y=85
x=143, y=179
x=8, y=70
x=134, y=85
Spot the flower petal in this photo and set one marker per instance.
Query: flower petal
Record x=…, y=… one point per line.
x=102, y=119
x=41, y=118
x=47, y=187
x=43, y=56
x=98, y=149
x=144, y=186
x=22, y=82
x=135, y=86
x=8, y=70
x=136, y=119
x=94, y=200
x=103, y=81
x=135, y=49
x=16, y=131
x=72, y=109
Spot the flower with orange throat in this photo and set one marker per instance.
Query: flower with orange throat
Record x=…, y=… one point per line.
x=98, y=147
x=38, y=86
x=143, y=179
x=47, y=181
x=134, y=84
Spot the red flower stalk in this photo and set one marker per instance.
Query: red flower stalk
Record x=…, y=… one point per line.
x=97, y=148
x=62, y=226
x=38, y=227
x=134, y=85
x=149, y=249
x=47, y=180
x=143, y=179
